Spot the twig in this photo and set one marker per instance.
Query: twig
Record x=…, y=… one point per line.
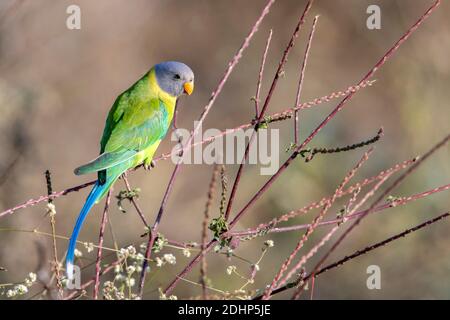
x=256, y=124
x=302, y=76
x=134, y=202
x=399, y=202
x=100, y=244
x=314, y=151
x=314, y=225
x=33, y=202
x=154, y=230
x=223, y=195
x=328, y=236
x=207, y=108
x=270, y=226
x=51, y=212
x=382, y=243
x=279, y=116
x=209, y=201
x=266, y=104
x=313, y=283
x=338, y=108
x=377, y=201
x=357, y=254
x=333, y=113
x=261, y=71
x=188, y=268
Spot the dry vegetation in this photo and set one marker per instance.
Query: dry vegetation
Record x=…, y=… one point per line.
x=132, y=269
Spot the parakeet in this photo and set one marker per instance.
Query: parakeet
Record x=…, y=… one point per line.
x=137, y=122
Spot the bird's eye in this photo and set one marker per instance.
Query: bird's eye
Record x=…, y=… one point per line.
x=177, y=77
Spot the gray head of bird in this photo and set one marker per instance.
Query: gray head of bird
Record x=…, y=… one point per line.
x=175, y=78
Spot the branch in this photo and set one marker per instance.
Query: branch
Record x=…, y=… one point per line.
x=134, y=202
x=266, y=104
x=214, y=95
x=396, y=203
x=314, y=151
x=314, y=225
x=270, y=226
x=377, y=201
x=211, y=191
x=339, y=107
x=328, y=236
x=279, y=116
x=52, y=212
x=302, y=76
x=382, y=243
x=100, y=244
x=261, y=70
x=357, y=254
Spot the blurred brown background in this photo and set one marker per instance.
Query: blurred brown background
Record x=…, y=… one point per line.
x=57, y=85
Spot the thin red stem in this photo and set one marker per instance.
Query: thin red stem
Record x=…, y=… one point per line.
x=302, y=76
x=397, y=182
x=266, y=104
x=260, y=75
x=207, y=108
x=100, y=244
x=357, y=254
x=314, y=225
x=378, y=65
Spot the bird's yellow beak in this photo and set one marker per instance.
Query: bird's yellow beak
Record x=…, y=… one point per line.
x=188, y=87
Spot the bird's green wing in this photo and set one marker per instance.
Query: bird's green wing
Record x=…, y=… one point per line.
x=138, y=119
x=141, y=125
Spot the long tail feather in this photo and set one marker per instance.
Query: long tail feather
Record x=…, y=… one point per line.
x=97, y=192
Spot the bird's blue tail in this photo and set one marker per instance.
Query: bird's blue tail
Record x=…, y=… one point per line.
x=97, y=192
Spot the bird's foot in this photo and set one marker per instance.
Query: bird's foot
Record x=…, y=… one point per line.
x=149, y=165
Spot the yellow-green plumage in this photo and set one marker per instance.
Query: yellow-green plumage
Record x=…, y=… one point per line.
x=136, y=124
x=138, y=120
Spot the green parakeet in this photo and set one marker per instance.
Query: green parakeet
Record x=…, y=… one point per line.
x=136, y=124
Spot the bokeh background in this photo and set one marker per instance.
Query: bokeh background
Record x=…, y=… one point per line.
x=57, y=85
